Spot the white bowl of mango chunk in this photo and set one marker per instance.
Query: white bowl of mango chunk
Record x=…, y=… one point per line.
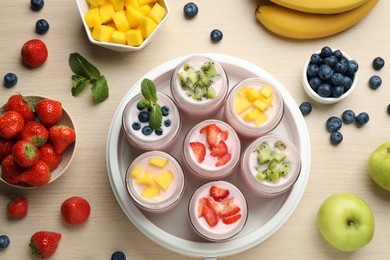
x=122, y=25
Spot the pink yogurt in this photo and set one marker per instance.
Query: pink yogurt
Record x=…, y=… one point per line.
x=221, y=231
x=209, y=168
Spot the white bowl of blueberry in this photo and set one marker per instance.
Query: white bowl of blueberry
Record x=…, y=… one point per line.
x=329, y=75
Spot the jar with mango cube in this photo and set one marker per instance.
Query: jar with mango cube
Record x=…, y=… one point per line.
x=155, y=181
x=253, y=108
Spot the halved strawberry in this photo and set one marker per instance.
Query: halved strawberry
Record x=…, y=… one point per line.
x=220, y=149
x=232, y=219
x=224, y=135
x=224, y=159
x=218, y=193
x=212, y=134
x=199, y=151
x=230, y=209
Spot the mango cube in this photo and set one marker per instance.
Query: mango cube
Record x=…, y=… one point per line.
x=157, y=13
x=158, y=162
x=150, y=192
x=96, y=31
x=260, y=104
x=145, y=2
x=136, y=172
x=134, y=16
x=145, y=179
x=147, y=26
x=251, y=94
x=241, y=104
x=134, y=37
x=119, y=5
x=132, y=3
x=92, y=17
x=118, y=37
x=260, y=118
x=106, y=12
x=164, y=179
x=145, y=9
x=121, y=22
x=105, y=33
x=96, y=3
x=266, y=91
x=266, y=100
x=241, y=92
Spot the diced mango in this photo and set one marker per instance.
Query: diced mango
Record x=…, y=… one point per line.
x=250, y=115
x=118, y=37
x=145, y=179
x=120, y=20
x=119, y=5
x=261, y=105
x=145, y=2
x=157, y=13
x=96, y=3
x=164, y=179
x=147, y=26
x=251, y=94
x=132, y=3
x=260, y=118
x=97, y=29
x=158, y=162
x=241, y=104
x=134, y=16
x=134, y=37
x=266, y=100
x=241, y=92
x=266, y=91
x=150, y=192
x=136, y=172
x=92, y=17
x=145, y=9
x=105, y=33
x=106, y=12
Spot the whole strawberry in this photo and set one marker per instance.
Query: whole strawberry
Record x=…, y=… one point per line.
x=5, y=147
x=34, y=52
x=49, y=111
x=18, y=208
x=75, y=210
x=11, y=124
x=26, y=154
x=49, y=156
x=61, y=136
x=21, y=105
x=44, y=244
x=10, y=170
x=37, y=175
x=36, y=133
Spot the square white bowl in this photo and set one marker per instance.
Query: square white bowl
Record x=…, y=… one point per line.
x=83, y=8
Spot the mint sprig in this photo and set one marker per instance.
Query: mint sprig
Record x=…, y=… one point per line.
x=149, y=92
x=85, y=74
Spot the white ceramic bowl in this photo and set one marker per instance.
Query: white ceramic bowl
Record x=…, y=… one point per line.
x=68, y=154
x=326, y=100
x=83, y=8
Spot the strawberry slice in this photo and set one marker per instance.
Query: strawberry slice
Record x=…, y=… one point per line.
x=201, y=204
x=212, y=134
x=220, y=149
x=232, y=219
x=218, y=193
x=230, y=209
x=199, y=151
x=224, y=159
x=210, y=214
x=224, y=135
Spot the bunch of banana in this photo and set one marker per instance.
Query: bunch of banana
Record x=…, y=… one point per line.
x=310, y=19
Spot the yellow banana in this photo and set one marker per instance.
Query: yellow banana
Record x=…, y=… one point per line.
x=320, y=6
x=300, y=25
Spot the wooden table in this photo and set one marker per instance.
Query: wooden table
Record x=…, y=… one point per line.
x=341, y=168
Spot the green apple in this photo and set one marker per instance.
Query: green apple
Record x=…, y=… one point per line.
x=379, y=165
x=346, y=221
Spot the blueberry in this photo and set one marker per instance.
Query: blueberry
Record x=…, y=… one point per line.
x=305, y=108
x=378, y=63
x=341, y=67
x=190, y=10
x=325, y=72
x=337, y=91
x=4, y=241
x=10, y=80
x=326, y=51
x=136, y=126
x=165, y=111
x=347, y=83
x=362, y=119
x=140, y=106
x=312, y=70
x=159, y=132
x=338, y=54
x=325, y=90
x=143, y=116
x=375, y=82
x=315, y=59
x=337, y=79
x=353, y=67
x=37, y=5
x=336, y=137
x=333, y=124
x=388, y=109
x=147, y=130
x=330, y=61
x=348, y=116
x=118, y=255
x=315, y=83
x=167, y=123
x=216, y=35
x=41, y=26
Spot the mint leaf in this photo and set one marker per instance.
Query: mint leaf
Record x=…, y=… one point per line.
x=80, y=66
x=148, y=90
x=100, y=89
x=145, y=103
x=155, y=117
x=79, y=83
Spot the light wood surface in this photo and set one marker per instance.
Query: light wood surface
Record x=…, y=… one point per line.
x=341, y=168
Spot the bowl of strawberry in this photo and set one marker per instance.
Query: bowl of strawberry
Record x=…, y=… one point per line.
x=37, y=141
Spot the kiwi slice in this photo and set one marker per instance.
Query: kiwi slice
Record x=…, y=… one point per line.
x=284, y=168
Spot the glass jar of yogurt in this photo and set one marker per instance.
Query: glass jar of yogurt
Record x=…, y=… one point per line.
x=270, y=165
x=137, y=129
x=211, y=149
x=199, y=86
x=254, y=107
x=218, y=211
x=155, y=181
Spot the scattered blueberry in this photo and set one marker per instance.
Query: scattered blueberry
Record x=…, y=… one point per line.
x=136, y=126
x=305, y=108
x=378, y=63
x=388, y=109
x=139, y=106
x=348, y=116
x=362, y=119
x=10, y=80
x=159, y=132
x=167, y=123
x=165, y=111
x=4, y=241
x=333, y=124
x=37, y=5
x=325, y=90
x=216, y=35
x=41, y=26
x=143, y=116
x=147, y=130
x=375, y=82
x=190, y=10
x=118, y=255
x=336, y=137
